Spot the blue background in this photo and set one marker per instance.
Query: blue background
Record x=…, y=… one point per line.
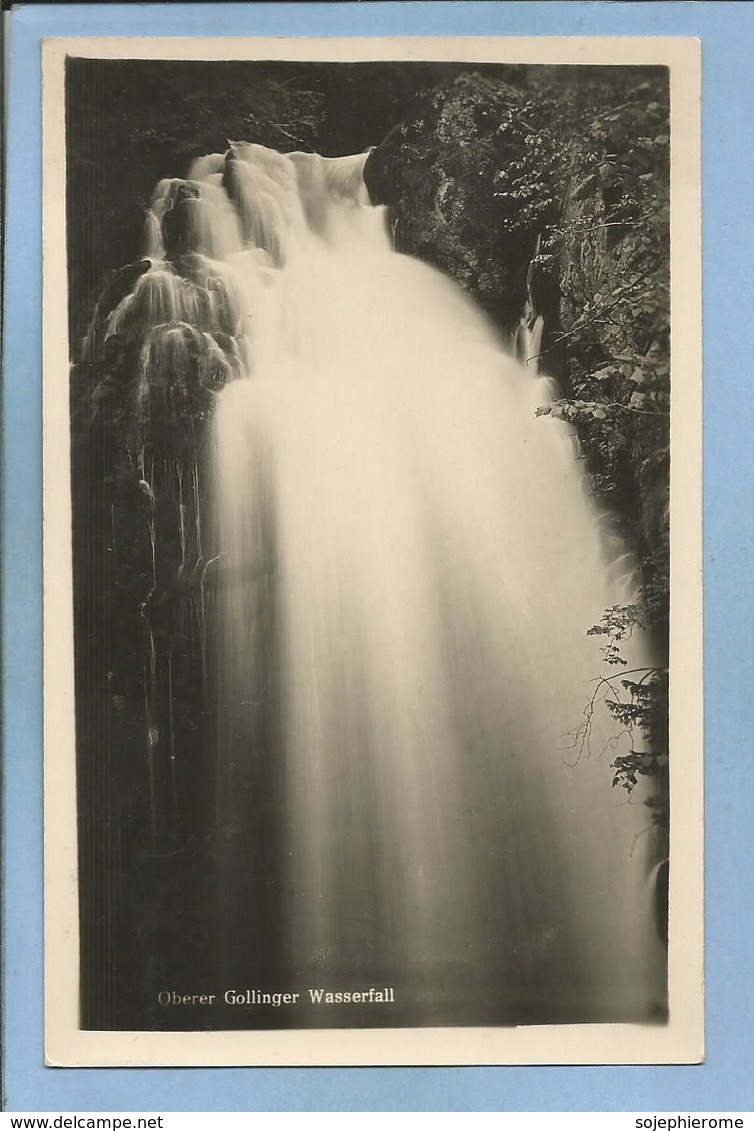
x=724, y=1082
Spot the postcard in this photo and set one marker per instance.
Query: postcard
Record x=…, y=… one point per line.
x=372, y=432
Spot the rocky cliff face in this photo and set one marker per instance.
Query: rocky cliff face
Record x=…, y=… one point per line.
x=439, y=173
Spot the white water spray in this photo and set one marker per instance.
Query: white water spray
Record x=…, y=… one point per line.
x=410, y=565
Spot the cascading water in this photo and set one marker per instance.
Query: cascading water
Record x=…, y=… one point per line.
x=408, y=562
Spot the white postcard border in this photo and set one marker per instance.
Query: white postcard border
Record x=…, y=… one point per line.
x=682, y=1039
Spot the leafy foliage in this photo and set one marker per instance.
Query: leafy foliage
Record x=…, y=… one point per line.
x=638, y=701
x=597, y=184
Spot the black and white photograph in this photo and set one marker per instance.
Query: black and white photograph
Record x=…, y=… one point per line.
x=362, y=683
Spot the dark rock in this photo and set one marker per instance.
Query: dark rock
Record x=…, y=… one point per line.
x=120, y=284
x=179, y=219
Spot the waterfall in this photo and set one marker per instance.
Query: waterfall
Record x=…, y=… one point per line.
x=408, y=561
